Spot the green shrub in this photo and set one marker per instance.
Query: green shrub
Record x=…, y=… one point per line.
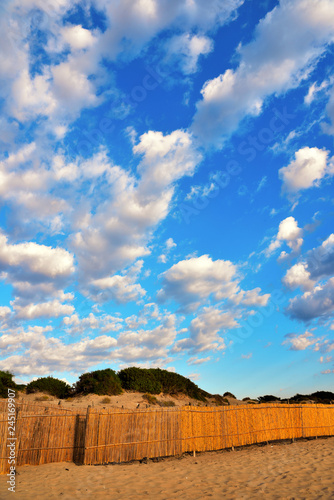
x=152, y=400
x=166, y=404
x=155, y=380
x=229, y=395
x=99, y=382
x=269, y=398
x=106, y=401
x=42, y=398
x=140, y=379
x=220, y=400
x=49, y=385
x=6, y=382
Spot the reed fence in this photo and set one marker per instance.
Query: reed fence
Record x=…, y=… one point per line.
x=94, y=436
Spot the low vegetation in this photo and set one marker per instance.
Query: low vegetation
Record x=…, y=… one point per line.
x=152, y=400
x=156, y=381
x=229, y=395
x=166, y=404
x=106, y=401
x=140, y=380
x=150, y=381
x=42, y=398
x=220, y=400
x=6, y=382
x=102, y=382
x=49, y=385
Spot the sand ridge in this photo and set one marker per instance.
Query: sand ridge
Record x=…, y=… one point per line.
x=300, y=470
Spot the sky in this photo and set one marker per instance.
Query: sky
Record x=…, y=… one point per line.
x=166, y=184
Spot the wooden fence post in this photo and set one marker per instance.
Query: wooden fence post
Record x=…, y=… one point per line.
x=87, y=434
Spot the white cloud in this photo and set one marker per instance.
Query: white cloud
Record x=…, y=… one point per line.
x=318, y=300
x=46, y=355
x=192, y=280
x=201, y=191
x=316, y=303
x=119, y=231
x=104, y=323
x=329, y=128
x=310, y=166
x=298, y=276
x=150, y=344
x=136, y=22
x=300, y=342
x=288, y=232
x=168, y=247
x=313, y=90
x=165, y=159
x=50, y=309
x=185, y=50
x=77, y=37
x=267, y=66
x=120, y=288
x=205, y=331
x=198, y=361
x=252, y=298
x=37, y=259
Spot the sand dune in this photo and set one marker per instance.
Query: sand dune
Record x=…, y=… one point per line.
x=301, y=470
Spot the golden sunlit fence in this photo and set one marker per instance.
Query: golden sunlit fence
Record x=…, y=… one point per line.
x=45, y=435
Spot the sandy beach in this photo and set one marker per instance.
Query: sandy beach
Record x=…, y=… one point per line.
x=299, y=470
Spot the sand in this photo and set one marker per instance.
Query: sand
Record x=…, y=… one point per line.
x=299, y=470
x=129, y=400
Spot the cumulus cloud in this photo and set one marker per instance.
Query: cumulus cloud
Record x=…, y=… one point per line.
x=118, y=232
x=70, y=77
x=151, y=344
x=49, y=309
x=300, y=342
x=105, y=323
x=267, y=66
x=185, y=50
x=45, y=354
x=190, y=281
x=298, y=276
x=77, y=36
x=314, y=276
x=205, y=329
x=35, y=259
x=316, y=303
x=119, y=288
x=318, y=263
x=307, y=170
x=136, y=22
x=288, y=232
x=329, y=127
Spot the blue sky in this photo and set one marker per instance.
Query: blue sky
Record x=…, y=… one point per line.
x=166, y=183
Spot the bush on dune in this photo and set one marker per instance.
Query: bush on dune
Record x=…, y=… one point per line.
x=155, y=381
x=140, y=380
x=6, y=382
x=102, y=382
x=49, y=385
